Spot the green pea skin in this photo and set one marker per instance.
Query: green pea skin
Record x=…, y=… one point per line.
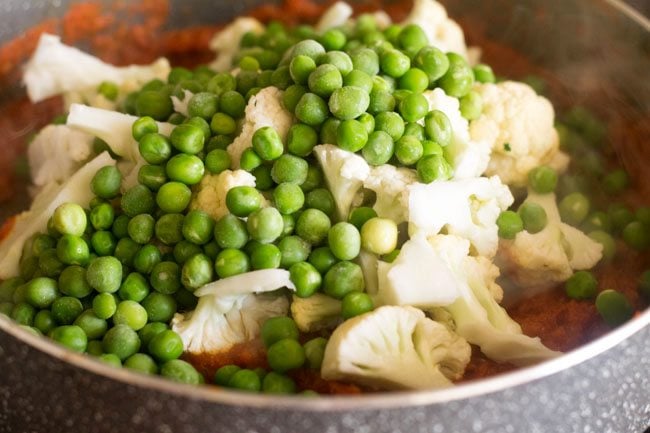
x=285, y=355
x=196, y=272
x=278, y=328
x=349, y=102
x=355, y=304
x=306, y=278
x=342, y=278
x=533, y=216
x=614, y=307
x=351, y=135
x=509, y=224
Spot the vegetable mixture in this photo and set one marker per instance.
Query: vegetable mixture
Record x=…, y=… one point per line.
x=340, y=198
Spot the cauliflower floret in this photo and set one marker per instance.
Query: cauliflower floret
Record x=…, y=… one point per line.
x=443, y=32
x=391, y=184
x=229, y=312
x=75, y=190
x=335, y=16
x=468, y=208
x=469, y=157
x=56, y=68
x=316, y=313
x=537, y=262
x=56, y=153
x=180, y=105
x=226, y=42
x=263, y=109
x=344, y=173
x=395, y=348
x=210, y=195
x=476, y=313
x=519, y=125
x=402, y=282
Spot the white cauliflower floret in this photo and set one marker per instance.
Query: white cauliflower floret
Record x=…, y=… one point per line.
x=316, y=313
x=344, y=173
x=56, y=68
x=75, y=190
x=476, y=313
x=210, y=195
x=468, y=208
x=263, y=109
x=442, y=32
x=395, y=348
x=335, y=16
x=180, y=105
x=539, y=261
x=519, y=125
x=226, y=43
x=229, y=312
x=469, y=157
x=402, y=282
x=56, y=153
x=391, y=184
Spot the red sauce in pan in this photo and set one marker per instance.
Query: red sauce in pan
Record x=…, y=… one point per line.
x=131, y=32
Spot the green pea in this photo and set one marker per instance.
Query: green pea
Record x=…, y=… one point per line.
x=289, y=168
x=431, y=168
x=135, y=287
x=333, y=39
x=66, y=309
x=165, y=346
x=607, y=241
x=278, y=328
x=266, y=256
x=355, y=304
x=620, y=216
x=314, y=179
x=104, y=274
x=166, y=277
x=198, y=227
x=188, y=169
x=245, y=380
x=285, y=355
x=187, y=138
x=276, y=383
x=533, y=217
x=390, y=123
x=72, y=337
x=130, y=313
x=159, y=307
x=301, y=139
x=154, y=103
x=378, y=149
x=8, y=287
x=311, y=109
x=636, y=235
x=23, y=314
x=69, y=219
x=44, y=322
x=230, y=232
x=141, y=363
x=217, y=160
x=41, y=292
x=509, y=224
x=48, y=263
x=221, y=83
x=265, y=225
x=223, y=375
x=93, y=326
x=42, y=242
x=614, y=307
x=483, y=73
x=616, y=182
x=203, y=104
x=72, y=250
x=103, y=243
x=231, y=262
x=150, y=330
x=223, y=124
x=288, y=198
x=121, y=341
x=581, y=285
x=293, y=250
x=102, y=216
x=104, y=305
x=141, y=228
x=574, y=208
x=459, y=78
x=169, y=228
x=173, y=197
x=196, y=272
x=109, y=90
x=281, y=77
x=314, y=352
x=232, y=103
x=349, y=102
x=471, y=105
x=351, y=135
x=155, y=148
x=360, y=79
x=243, y=200
x=106, y=182
x=344, y=241
x=438, y=128
x=143, y=126
x=313, y=226
x=413, y=107
x=125, y=251
x=542, y=179
x=339, y=59
x=292, y=96
x=342, y=278
x=301, y=67
x=306, y=278
x=394, y=63
x=138, y=200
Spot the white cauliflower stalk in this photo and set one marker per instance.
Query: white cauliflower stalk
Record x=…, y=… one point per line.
x=210, y=194
x=519, y=126
x=226, y=42
x=540, y=261
x=468, y=208
x=75, y=190
x=263, y=109
x=56, y=68
x=391, y=184
x=469, y=157
x=316, y=313
x=229, y=312
x=56, y=153
x=442, y=32
x=335, y=16
x=180, y=105
x=395, y=348
x=344, y=173
x=476, y=313
x=402, y=282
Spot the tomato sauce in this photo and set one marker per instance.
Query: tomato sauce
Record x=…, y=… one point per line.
x=132, y=32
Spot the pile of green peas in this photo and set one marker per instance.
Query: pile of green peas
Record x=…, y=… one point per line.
x=582, y=135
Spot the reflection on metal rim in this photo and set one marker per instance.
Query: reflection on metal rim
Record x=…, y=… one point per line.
x=338, y=403
x=630, y=12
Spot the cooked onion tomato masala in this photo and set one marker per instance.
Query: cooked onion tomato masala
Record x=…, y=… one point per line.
x=341, y=207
